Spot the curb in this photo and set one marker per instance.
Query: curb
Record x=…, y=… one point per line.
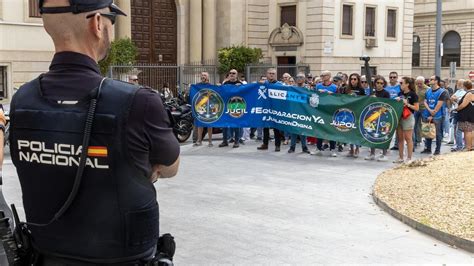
x=440, y=235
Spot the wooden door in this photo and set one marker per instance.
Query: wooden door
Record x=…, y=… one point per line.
x=154, y=30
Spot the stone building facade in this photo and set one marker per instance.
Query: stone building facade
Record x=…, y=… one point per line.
x=457, y=37
x=25, y=48
x=324, y=34
x=203, y=26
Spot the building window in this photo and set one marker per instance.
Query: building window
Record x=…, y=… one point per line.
x=347, y=19
x=391, y=23
x=3, y=82
x=288, y=15
x=451, y=49
x=415, y=59
x=373, y=71
x=370, y=21
x=33, y=7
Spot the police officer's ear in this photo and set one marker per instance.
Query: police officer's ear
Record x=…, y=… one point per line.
x=96, y=25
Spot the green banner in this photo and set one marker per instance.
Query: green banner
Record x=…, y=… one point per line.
x=361, y=120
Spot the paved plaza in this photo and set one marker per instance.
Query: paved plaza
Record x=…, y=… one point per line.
x=243, y=206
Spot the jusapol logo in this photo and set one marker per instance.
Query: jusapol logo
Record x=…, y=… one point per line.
x=344, y=120
x=277, y=94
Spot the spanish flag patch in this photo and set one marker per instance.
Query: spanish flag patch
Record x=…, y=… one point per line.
x=97, y=151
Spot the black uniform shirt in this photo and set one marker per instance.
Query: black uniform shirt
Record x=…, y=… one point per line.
x=151, y=141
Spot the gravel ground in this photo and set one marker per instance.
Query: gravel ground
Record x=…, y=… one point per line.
x=437, y=192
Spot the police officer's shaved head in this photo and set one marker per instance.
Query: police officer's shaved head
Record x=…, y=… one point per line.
x=78, y=26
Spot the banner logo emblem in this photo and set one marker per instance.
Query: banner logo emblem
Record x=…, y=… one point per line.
x=261, y=92
x=277, y=94
x=236, y=107
x=314, y=100
x=344, y=120
x=377, y=120
x=208, y=106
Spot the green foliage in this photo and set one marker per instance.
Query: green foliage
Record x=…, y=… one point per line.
x=122, y=52
x=237, y=57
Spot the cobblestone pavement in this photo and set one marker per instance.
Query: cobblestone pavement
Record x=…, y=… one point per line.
x=243, y=206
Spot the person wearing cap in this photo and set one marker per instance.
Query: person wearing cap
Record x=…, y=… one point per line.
x=108, y=214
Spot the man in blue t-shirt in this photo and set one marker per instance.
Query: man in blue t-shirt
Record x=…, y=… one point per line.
x=435, y=99
x=326, y=85
x=393, y=87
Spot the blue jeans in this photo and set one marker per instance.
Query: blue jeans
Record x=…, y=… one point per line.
x=457, y=133
x=232, y=132
x=446, y=123
x=293, y=141
x=417, y=131
x=439, y=134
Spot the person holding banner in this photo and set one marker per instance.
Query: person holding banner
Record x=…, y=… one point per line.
x=365, y=85
x=204, y=80
x=235, y=131
x=394, y=89
x=380, y=92
x=326, y=86
x=407, y=122
x=300, y=83
x=354, y=88
x=271, y=78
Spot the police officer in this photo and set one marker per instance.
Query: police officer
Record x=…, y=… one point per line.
x=109, y=214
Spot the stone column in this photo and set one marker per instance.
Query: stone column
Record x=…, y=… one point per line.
x=123, y=28
x=209, y=29
x=195, y=31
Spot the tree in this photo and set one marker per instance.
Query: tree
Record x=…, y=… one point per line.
x=122, y=52
x=237, y=57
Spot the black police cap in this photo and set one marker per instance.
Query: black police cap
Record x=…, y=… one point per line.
x=81, y=6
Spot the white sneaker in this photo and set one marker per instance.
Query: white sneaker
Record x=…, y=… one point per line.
x=370, y=157
x=399, y=160
x=382, y=158
x=317, y=153
x=333, y=153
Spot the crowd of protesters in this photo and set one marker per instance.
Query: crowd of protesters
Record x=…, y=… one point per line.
x=431, y=100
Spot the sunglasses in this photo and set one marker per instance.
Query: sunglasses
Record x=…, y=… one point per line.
x=393, y=77
x=380, y=83
x=233, y=73
x=363, y=81
x=111, y=16
x=354, y=79
x=134, y=79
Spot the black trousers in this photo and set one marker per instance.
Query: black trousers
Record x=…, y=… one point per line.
x=266, y=136
x=319, y=144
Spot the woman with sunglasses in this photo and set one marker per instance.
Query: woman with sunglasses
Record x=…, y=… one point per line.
x=407, y=123
x=380, y=92
x=354, y=88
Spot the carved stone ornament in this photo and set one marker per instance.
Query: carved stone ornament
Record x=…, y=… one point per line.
x=286, y=35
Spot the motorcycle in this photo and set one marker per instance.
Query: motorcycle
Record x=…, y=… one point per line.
x=181, y=117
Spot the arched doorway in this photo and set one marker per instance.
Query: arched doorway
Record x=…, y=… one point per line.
x=451, y=49
x=154, y=30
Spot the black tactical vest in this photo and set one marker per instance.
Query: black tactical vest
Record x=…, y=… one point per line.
x=114, y=217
